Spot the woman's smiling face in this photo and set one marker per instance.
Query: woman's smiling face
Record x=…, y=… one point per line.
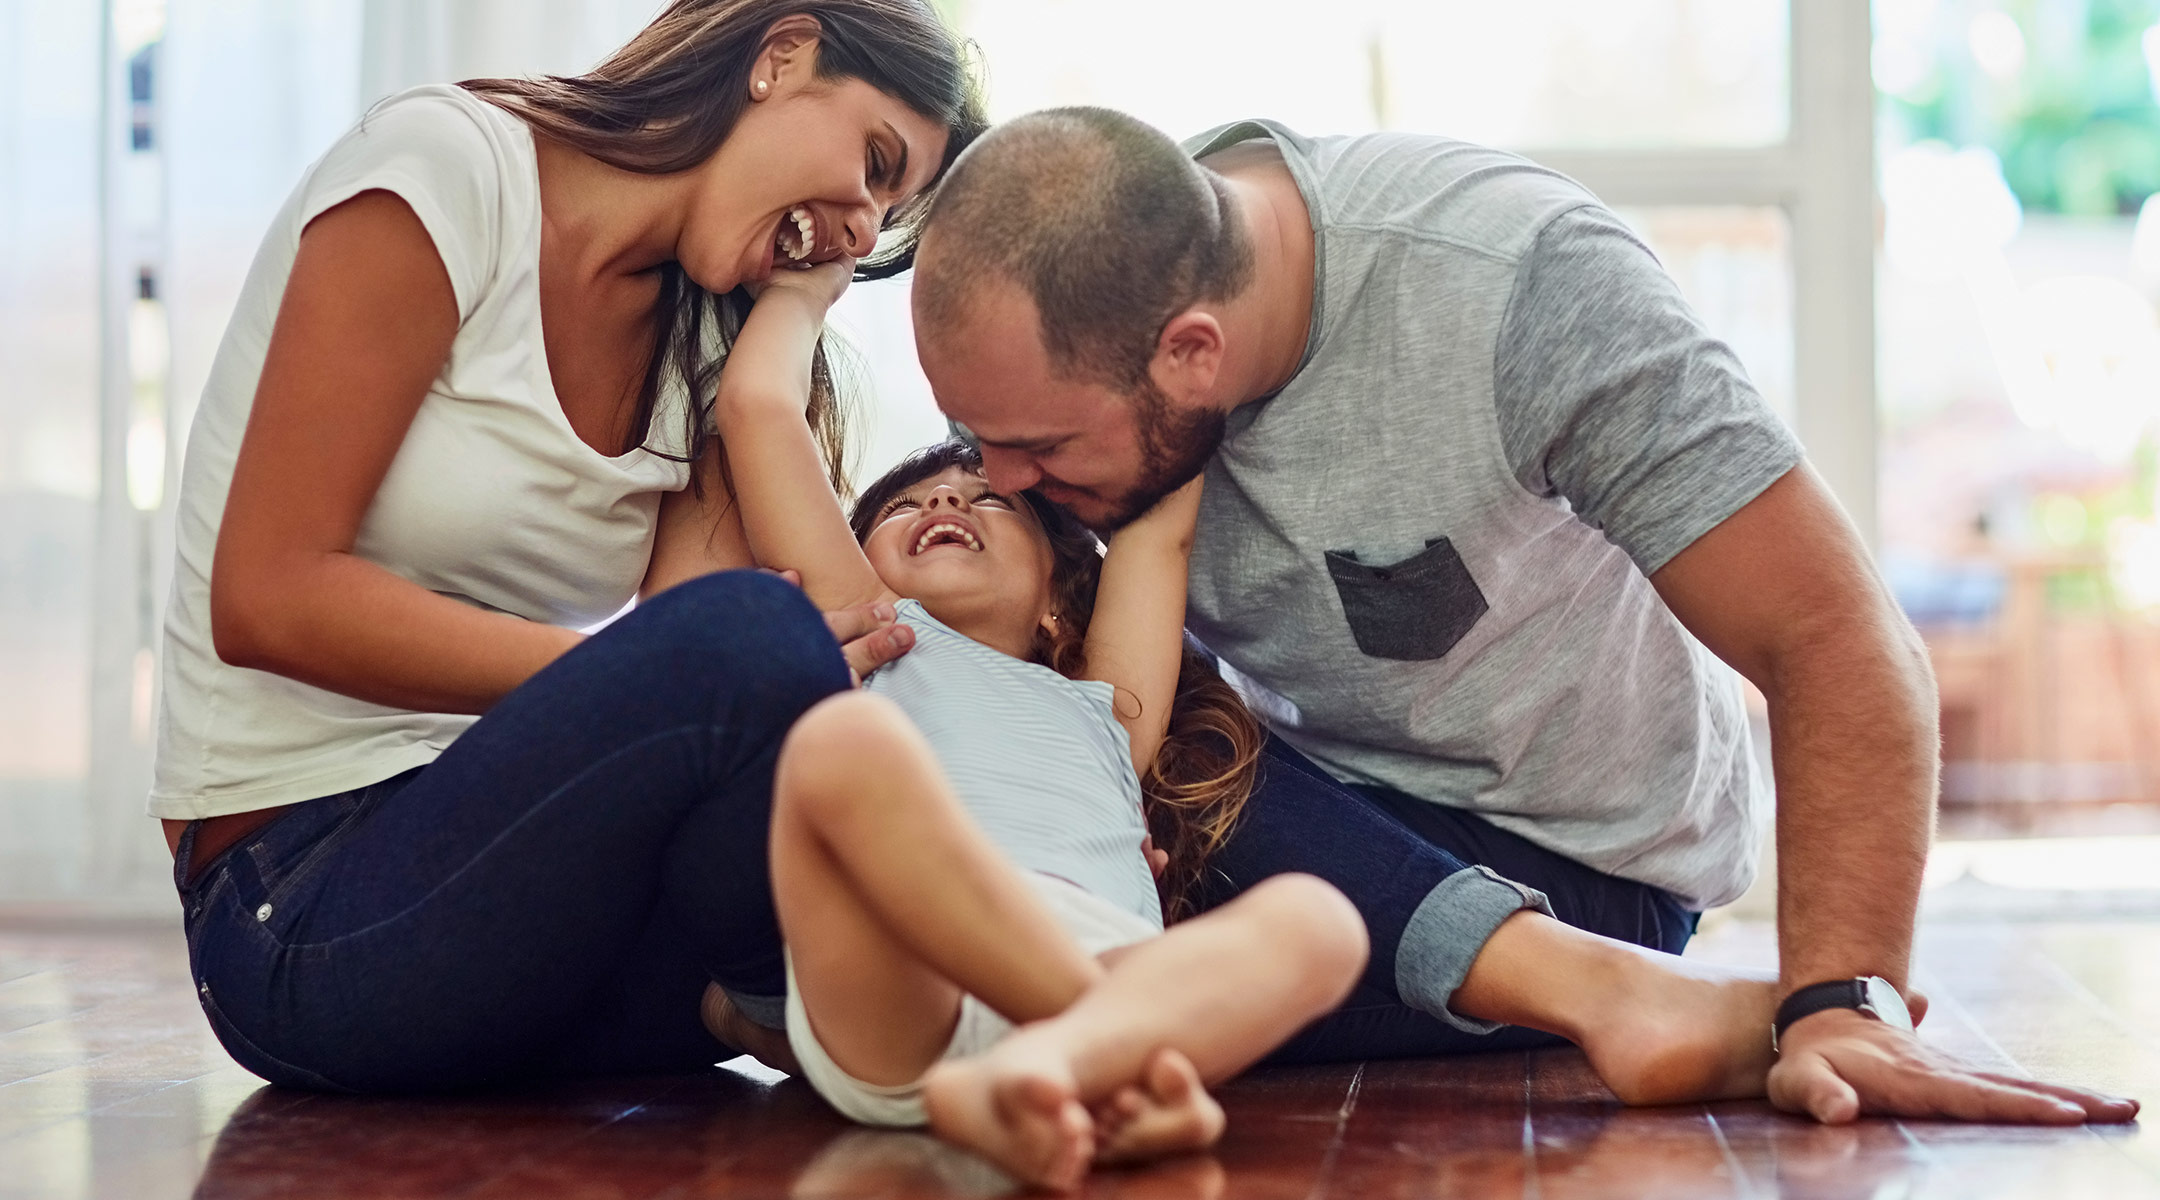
x=965, y=552
x=809, y=172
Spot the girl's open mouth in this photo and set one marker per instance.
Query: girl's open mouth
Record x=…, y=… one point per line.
x=946, y=533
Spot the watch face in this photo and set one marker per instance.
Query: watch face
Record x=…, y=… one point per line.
x=1888, y=1005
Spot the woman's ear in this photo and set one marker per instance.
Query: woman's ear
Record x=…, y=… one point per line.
x=789, y=56
x=1049, y=624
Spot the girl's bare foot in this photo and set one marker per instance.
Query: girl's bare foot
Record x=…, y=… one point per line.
x=1017, y=1105
x=1677, y=1031
x=726, y=1022
x=1168, y=1111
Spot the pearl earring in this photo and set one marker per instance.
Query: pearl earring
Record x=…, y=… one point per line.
x=761, y=87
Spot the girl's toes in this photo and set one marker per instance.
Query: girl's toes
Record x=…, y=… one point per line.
x=1172, y=1077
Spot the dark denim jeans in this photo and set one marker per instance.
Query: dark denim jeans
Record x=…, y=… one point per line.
x=1387, y=852
x=551, y=895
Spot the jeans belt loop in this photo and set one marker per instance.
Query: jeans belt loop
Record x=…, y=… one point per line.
x=247, y=880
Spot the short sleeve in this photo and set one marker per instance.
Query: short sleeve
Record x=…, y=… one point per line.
x=1611, y=394
x=433, y=151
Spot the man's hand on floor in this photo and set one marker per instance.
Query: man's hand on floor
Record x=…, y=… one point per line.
x=1840, y=1064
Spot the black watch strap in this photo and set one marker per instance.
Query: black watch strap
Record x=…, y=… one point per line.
x=1815, y=998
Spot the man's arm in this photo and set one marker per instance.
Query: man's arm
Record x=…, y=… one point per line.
x=1785, y=591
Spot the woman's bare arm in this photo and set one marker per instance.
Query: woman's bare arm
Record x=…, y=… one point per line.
x=700, y=530
x=1136, y=640
x=789, y=512
x=365, y=326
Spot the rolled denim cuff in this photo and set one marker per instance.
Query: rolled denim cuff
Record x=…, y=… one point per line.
x=1446, y=933
x=768, y=1011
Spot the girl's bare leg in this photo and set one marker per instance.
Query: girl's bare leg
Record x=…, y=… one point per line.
x=1216, y=992
x=893, y=903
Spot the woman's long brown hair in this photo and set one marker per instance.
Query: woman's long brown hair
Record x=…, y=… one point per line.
x=1210, y=757
x=668, y=99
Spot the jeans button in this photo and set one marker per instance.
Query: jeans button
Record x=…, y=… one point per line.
x=263, y=913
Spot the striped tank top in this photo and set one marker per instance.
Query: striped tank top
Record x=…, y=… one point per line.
x=1038, y=760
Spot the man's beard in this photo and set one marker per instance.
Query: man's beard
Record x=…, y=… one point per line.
x=1174, y=447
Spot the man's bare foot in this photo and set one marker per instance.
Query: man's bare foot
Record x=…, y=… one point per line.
x=726, y=1022
x=1168, y=1111
x=1675, y=1031
x=1017, y=1105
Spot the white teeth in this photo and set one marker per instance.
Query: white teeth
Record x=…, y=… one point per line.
x=805, y=234
x=943, y=527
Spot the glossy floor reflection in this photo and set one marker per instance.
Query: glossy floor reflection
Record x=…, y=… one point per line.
x=111, y=1087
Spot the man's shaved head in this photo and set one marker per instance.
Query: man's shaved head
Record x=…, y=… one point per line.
x=1097, y=217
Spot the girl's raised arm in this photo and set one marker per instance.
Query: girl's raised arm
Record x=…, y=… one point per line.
x=1136, y=639
x=789, y=512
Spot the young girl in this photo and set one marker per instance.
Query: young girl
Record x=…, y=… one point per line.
x=960, y=849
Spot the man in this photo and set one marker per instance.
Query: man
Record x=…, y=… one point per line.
x=1483, y=500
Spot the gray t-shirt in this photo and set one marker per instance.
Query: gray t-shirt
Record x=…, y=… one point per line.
x=1430, y=551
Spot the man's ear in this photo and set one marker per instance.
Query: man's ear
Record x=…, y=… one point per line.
x=1188, y=357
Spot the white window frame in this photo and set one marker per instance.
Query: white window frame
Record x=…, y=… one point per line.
x=1823, y=177
x=124, y=866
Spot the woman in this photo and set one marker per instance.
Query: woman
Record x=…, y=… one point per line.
x=456, y=417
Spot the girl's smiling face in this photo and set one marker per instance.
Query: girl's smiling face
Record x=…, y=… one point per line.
x=975, y=559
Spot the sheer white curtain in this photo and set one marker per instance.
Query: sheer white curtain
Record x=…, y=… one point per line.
x=237, y=97
x=49, y=470
x=408, y=42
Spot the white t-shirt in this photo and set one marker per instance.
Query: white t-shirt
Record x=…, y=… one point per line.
x=492, y=498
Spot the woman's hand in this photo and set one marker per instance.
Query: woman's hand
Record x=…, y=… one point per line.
x=869, y=637
x=869, y=634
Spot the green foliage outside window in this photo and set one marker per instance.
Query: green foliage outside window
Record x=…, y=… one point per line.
x=2076, y=127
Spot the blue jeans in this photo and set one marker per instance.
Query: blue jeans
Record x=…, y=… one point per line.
x=551, y=895
x=1410, y=867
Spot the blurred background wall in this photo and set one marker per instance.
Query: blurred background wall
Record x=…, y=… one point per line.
x=1924, y=225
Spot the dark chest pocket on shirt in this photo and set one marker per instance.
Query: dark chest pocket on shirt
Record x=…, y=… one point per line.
x=1411, y=611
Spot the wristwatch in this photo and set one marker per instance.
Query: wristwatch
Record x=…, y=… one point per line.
x=1869, y=994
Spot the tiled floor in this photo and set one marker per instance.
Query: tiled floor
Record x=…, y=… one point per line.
x=110, y=1086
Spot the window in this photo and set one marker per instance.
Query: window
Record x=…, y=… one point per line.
x=1734, y=134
